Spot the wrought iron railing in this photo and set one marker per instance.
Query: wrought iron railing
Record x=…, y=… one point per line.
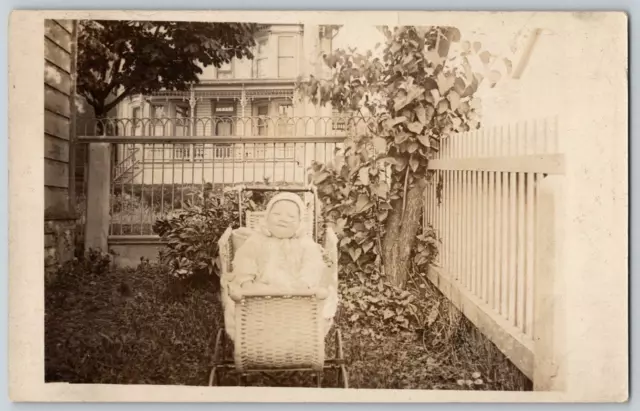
x=173, y=168
x=227, y=126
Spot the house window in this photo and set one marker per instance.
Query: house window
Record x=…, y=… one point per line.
x=225, y=70
x=223, y=118
x=182, y=121
x=224, y=127
x=285, y=119
x=339, y=121
x=261, y=60
x=263, y=126
x=159, y=120
x=136, y=114
x=181, y=152
x=286, y=57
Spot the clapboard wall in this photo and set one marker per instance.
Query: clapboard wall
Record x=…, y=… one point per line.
x=59, y=135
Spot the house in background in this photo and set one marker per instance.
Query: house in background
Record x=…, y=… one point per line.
x=244, y=98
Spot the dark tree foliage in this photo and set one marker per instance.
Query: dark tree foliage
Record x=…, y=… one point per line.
x=119, y=58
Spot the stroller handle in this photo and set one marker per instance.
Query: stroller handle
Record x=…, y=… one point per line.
x=320, y=294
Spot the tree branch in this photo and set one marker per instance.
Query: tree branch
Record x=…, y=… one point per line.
x=113, y=82
x=404, y=197
x=109, y=106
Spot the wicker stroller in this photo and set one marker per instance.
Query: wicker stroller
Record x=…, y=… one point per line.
x=279, y=332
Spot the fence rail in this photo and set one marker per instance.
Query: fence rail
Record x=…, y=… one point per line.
x=484, y=207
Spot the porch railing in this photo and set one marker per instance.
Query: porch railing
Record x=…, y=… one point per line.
x=227, y=126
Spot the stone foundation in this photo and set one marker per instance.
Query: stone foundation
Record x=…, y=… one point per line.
x=59, y=243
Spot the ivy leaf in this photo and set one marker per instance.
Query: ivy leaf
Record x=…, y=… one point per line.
x=355, y=253
x=413, y=146
x=395, y=47
x=454, y=99
x=382, y=215
x=415, y=127
x=429, y=84
x=456, y=122
x=388, y=314
x=319, y=177
x=429, y=111
x=388, y=160
x=414, y=162
x=353, y=162
x=485, y=57
x=363, y=175
x=367, y=247
x=380, y=144
x=425, y=140
x=401, y=137
x=392, y=122
x=363, y=203
x=359, y=227
x=421, y=113
x=433, y=314
x=401, y=163
x=443, y=106
x=459, y=85
x=433, y=57
x=445, y=83
x=381, y=189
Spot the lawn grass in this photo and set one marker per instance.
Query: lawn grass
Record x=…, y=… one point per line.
x=136, y=326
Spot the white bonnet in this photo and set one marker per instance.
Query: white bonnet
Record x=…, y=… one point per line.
x=286, y=196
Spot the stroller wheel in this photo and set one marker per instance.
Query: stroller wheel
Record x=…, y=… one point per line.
x=217, y=356
x=213, y=377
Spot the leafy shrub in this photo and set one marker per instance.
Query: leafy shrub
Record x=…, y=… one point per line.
x=92, y=261
x=356, y=199
x=192, y=233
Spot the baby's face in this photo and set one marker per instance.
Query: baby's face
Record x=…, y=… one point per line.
x=284, y=219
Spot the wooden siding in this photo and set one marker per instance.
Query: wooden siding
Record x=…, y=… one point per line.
x=58, y=118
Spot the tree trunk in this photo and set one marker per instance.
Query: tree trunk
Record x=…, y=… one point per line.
x=400, y=236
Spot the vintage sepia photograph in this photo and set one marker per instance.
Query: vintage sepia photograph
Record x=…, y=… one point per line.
x=351, y=206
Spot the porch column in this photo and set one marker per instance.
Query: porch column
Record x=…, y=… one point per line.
x=192, y=112
x=309, y=111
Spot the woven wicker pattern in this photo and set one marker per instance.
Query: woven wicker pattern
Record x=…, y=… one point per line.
x=254, y=219
x=279, y=332
x=225, y=249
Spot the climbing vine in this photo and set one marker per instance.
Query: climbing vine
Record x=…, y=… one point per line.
x=402, y=100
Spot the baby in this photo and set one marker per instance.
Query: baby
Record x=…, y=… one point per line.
x=280, y=257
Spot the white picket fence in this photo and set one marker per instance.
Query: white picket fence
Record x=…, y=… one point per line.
x=484, y=206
